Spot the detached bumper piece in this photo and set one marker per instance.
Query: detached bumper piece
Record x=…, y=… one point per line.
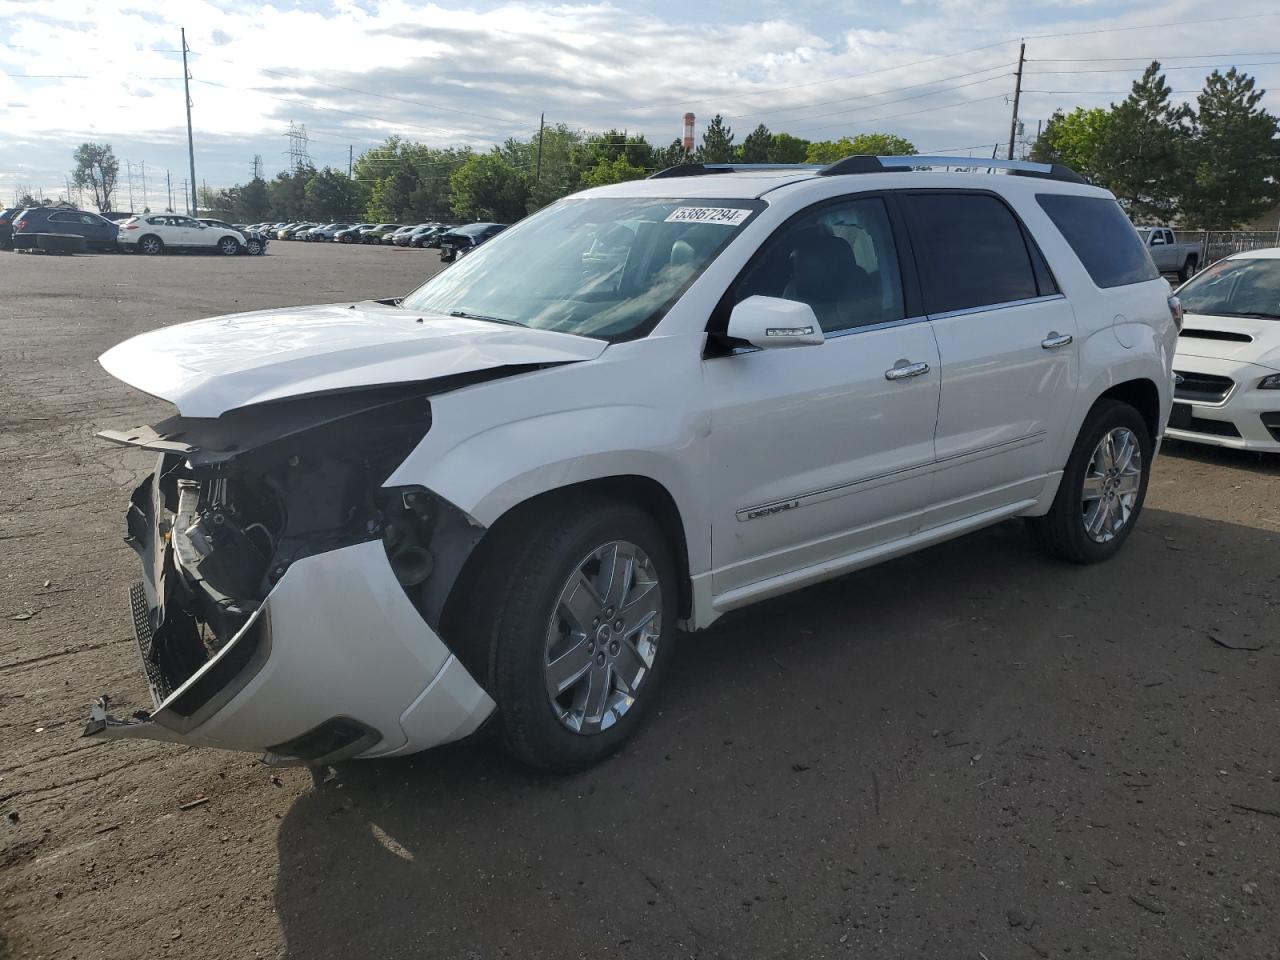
x=335, y=663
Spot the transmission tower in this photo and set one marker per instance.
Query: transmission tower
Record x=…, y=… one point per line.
x=257, y=166
x=298, y=140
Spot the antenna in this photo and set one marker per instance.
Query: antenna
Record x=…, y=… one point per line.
x=257, y=166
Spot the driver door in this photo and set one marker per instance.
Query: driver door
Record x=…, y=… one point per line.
x=819, y=452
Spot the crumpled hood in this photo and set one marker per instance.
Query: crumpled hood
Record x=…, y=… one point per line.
x=208, y=367
x=1263, y=347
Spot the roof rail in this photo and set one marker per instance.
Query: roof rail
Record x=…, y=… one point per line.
x=702, y=169
x=1020, y=168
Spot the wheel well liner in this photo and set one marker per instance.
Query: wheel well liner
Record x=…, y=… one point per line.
x=1143, y=396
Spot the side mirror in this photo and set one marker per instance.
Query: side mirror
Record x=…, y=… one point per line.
x=768, y=322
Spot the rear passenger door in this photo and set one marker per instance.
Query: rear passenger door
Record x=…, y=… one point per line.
x=1006, y=340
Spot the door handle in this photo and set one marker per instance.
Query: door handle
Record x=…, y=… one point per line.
x=1055, y=340
x=905, y=371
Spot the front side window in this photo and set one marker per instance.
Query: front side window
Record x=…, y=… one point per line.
x=1236, y=288
x=606, y=267
x=970, y=250
x=840, y=259
x=1102, y=237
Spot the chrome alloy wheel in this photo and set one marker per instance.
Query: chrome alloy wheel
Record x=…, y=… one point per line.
x=1111, y=484
x=602, y=637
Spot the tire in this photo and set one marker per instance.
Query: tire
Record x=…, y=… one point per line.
x=254, y=246
x=512, y=620
x=1091, y=529
x=1187, y=270
x=228, y=246
x=151, y=245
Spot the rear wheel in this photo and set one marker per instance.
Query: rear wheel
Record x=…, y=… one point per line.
x=1188, y=269
x=254, y=246
x=228, y=246
x=1102, y=489
x=151, y=245
x=574, y=613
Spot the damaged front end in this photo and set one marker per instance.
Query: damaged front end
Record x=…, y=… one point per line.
x=289, y=601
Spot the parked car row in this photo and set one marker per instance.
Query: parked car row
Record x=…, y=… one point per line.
x=21, y=228
x=452, y=241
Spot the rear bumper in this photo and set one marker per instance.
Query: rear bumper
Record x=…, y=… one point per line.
x=336, y=662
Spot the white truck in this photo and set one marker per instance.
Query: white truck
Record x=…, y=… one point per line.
x=1169, y=255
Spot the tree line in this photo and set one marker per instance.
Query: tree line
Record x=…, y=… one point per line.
x=1214, y=165
x=401, y=181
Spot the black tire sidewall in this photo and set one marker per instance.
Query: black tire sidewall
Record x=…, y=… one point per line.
x=533, y=732
x=1069, y=503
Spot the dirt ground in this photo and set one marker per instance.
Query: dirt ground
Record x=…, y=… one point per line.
x=973, y=752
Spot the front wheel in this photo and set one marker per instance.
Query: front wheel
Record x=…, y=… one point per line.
x=575, y=615
x=1102, y=489
x=228, y=246
x=254, y=247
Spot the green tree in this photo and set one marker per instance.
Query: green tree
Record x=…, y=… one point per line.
x=287, y=193
x=717, y=142
x=251, y=203
x=1075, y=139
x=331, y=195
x=489, y=187
x=97, y=169
x=402, y=181
x=788, y=149
x=871, y=144
x=560, y=170
x=757, y=146
x=1141, y=157
x=1233, y=160
x=671, y=155
x=617, y=170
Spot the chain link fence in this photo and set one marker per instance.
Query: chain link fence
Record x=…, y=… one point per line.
x=1222, y=243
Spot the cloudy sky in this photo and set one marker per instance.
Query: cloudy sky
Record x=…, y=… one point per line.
x=354, y=71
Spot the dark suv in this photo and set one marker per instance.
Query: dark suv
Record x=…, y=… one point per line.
x=463, y=240
x=98, y=233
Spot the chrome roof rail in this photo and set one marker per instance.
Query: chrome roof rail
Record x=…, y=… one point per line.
x=702, y=169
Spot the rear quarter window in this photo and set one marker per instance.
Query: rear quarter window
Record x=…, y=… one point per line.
x=1102, y=237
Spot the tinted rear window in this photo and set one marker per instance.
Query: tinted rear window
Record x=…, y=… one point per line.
x=970, y=251
x=1102, y=237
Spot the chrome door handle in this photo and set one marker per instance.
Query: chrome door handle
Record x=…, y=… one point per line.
x=1055, y=340
x=904, y=371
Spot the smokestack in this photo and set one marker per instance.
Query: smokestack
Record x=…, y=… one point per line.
x=688, y=132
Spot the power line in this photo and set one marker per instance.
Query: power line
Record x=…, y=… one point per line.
x=1163, y=69
x=1185, y=56
x=912, y=113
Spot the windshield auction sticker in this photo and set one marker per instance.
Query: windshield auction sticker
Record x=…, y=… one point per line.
x=728, y=216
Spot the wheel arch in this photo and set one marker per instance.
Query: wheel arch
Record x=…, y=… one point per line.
x=1140, y=393
x=636, y=489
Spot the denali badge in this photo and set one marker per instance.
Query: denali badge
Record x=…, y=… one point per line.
x=755, y=513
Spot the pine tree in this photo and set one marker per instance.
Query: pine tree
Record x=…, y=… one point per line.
x=757, y=146
x=1234, y=159
x=1140, y=157
x=717, y=142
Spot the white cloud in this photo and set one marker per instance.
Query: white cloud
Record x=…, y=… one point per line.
x=477, y=74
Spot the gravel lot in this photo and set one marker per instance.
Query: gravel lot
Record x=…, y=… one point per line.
x=972, y=752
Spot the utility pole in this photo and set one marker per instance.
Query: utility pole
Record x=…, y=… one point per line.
x=169, y=185
x=257, y=166
x=142, y=168
x=351, y=152
x=542, y=121
x=1017, y=96
x=191, y=144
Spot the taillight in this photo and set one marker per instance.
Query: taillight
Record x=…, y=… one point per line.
x=1175, y=308
x=131, y=226
x=19, y=224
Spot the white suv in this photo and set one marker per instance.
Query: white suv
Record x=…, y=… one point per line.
x=374, y=526
x=154, y=233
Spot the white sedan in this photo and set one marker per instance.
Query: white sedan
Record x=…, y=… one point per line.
x=154, y=233
x=1227, y=368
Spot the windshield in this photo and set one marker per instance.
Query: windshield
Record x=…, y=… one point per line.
x=593, y=266
x=1236, y=288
